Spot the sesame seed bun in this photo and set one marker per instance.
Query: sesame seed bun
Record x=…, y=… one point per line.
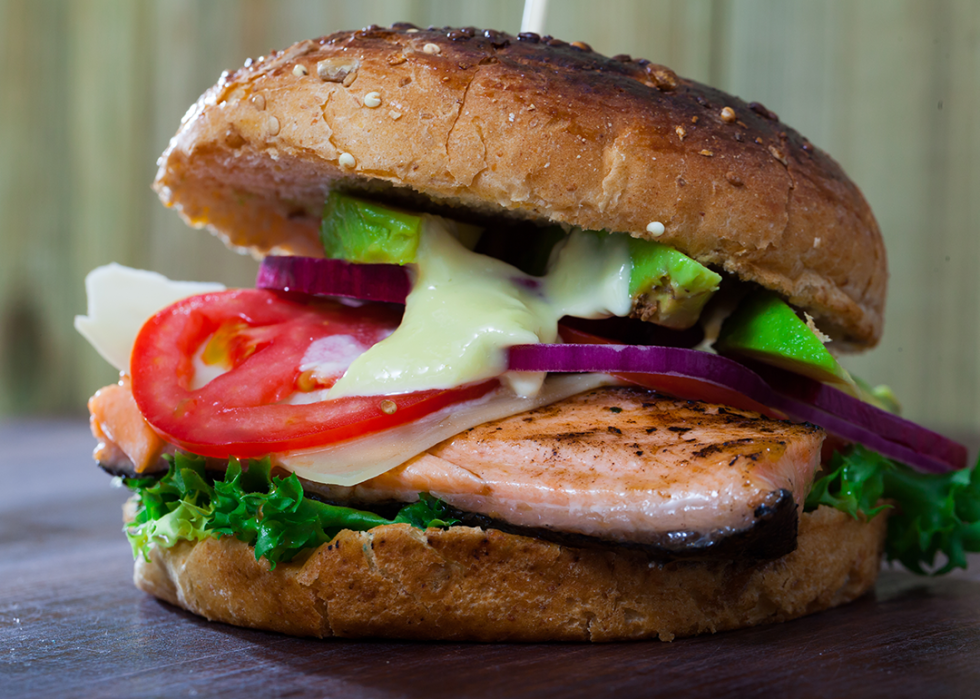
x=532, y=128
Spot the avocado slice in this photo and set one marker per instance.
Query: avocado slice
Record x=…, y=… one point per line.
x=766, y=329
x=668, y=287
x=357, y=230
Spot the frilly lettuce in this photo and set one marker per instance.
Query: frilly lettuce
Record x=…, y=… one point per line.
x=272, y=514
x=932, y=514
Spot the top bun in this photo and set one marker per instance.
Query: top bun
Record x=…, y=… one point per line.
x=534, y=128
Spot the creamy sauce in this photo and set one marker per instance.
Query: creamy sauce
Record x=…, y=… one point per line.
x=466, y=309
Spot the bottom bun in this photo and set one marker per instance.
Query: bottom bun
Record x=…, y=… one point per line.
x=484, y=585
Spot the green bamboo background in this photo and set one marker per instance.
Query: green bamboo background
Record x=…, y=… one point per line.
x=91, y=90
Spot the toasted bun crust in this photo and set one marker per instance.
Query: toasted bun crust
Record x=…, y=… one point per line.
x=532, y=128
x=476, y=585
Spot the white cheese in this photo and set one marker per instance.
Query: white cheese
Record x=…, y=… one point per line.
x=120, y=300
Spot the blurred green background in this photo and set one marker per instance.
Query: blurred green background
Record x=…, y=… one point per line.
x=91, y=91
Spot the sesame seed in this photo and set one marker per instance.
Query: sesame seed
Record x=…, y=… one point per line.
x=777, y=154
x=272, y=124
x=395, y=115
x=388, y=407
x=258, y=101
x=681, y=132
x=728, y=115
x=413, y=30
x=299, y=70
x=816, y=242
x=655, y=228
x=347, y=161
x=733, y=179
x=337, y=70
x=694, y=120
x=664, y=79
x=707, y=153
x=372, y=100
x=431, y=48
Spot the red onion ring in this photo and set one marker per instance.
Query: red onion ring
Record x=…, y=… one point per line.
x=855, y=432
x=641, y=359
x=849, y=410
x=320, y=277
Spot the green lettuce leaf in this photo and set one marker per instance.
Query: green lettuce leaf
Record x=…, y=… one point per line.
x=428, y=511
x=934, y=515
x=270, y=513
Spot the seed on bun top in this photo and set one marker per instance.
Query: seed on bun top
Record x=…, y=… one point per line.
x=534, y=128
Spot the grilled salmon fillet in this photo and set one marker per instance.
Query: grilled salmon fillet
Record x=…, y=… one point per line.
x=619, y=465
x=622, y=465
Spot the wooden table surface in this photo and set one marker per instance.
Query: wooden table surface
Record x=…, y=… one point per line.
x=72, y=624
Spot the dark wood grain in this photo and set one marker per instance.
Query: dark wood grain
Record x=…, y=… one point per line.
x=72, y=624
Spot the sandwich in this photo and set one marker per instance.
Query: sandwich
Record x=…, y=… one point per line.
x=543, y=347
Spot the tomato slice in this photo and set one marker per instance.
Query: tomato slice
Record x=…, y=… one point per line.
x=679, y=386
x=260, y=338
